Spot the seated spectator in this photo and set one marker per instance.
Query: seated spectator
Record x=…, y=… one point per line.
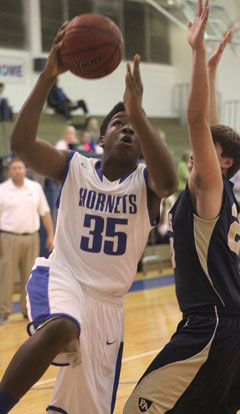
x=69, y=137
x=58, y=100
x=5, y=109
x=86, y=143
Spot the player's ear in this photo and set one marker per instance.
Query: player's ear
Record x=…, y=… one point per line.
x=101, y=141
x=227, y=162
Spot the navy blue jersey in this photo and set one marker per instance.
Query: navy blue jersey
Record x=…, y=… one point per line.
x=205, y=254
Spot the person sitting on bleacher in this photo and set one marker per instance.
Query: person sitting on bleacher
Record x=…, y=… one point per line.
x=5, y=109
x=58, y=100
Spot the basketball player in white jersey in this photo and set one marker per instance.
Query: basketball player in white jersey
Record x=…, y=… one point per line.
x=106, y=210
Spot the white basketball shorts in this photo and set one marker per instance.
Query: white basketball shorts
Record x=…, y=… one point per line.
x=90, y=386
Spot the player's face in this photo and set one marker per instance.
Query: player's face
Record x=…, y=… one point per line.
x=120, y=138
x=225, y=162
x=17, y=171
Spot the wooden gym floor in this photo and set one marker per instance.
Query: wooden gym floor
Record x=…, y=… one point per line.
x=151, y=316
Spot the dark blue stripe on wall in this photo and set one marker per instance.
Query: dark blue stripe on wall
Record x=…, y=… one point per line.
x=117, y=375
x=152, y=283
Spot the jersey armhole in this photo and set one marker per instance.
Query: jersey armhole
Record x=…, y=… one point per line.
x=192, y=206
x=70, y=155
x=152, y=222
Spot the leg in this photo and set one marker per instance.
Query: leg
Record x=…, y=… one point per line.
x=35, y=355
x=8, y=269
x=82, y=104
x=65, y=111
x=30, y=250
x=92, y=385
x=197, y=364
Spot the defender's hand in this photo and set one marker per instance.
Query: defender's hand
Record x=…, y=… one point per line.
x=215, y=58
x=196, y=30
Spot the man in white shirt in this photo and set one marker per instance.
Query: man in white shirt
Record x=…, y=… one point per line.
x=22, y=201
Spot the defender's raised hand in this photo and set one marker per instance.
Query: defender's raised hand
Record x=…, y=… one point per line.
x=134, y=87
x=215, y=58
x=196, y=29
x=53, y=65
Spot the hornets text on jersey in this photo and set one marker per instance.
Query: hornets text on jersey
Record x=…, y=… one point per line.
x=102, y=226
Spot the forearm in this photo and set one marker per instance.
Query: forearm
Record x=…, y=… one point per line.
x=48, y=224
x=23, y=137
x=198, y=101
x=161, y=168
x=213, y=109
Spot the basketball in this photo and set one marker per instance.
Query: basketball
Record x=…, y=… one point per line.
x=92, y=46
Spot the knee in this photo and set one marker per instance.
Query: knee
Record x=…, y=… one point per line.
x=60, y=331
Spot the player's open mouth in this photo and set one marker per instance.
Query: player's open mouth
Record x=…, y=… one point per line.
x=127, y=139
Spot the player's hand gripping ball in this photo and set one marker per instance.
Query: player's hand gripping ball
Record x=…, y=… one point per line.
x=92, y=46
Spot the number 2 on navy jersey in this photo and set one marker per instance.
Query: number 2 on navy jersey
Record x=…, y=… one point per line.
x=96, y=242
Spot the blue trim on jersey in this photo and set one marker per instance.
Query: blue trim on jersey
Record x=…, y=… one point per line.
x=100, y=174
x=126, y=175
x=58, y=409
x=117, y=375
x=71, y=154
x=153, y=222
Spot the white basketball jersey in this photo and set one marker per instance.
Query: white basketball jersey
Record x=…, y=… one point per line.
x=102, y=226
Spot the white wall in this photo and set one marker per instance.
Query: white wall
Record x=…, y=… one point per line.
x=100, y=94
x=158, y=80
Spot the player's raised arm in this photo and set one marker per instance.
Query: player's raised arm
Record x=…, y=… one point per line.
x=205, y=181
x=39, y=155
x=161, y=169
x=212, y=66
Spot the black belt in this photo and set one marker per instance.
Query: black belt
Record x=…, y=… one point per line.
x=17, y=234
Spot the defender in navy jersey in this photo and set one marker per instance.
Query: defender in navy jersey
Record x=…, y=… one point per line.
x=198, y=371
x=106, y=210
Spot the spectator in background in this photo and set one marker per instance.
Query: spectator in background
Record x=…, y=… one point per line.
x=5, y=109
x=69, y=137
x=86, y=142
x=162, y=228
x=21, y=202
x=183, y=172
x=94, y=129
x=59, y=101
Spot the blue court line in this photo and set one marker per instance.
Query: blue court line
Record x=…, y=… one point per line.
x=143, y=284
x=152, y=283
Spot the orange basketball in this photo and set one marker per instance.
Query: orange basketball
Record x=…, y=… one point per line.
x=92, y=46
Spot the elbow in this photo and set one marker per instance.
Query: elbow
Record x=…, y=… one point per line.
x=17, y=147
x=168, y=189
x=171, y=187
x=14, y=146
